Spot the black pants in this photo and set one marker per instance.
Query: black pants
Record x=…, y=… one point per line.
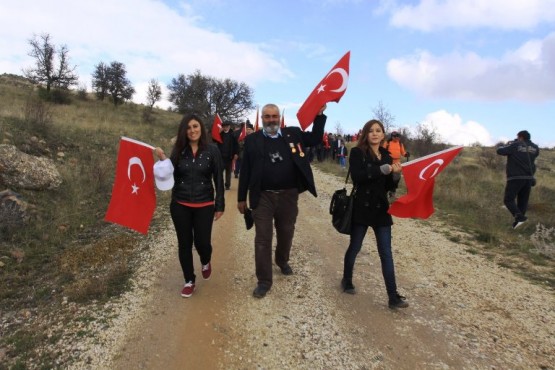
x=280, y=209
x=192, y=225
x=517, y=194
x=227, y=171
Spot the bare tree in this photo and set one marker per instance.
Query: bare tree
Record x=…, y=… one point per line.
x=52, y=66
x=154, y=93
x=382, y=113
x=338, y=128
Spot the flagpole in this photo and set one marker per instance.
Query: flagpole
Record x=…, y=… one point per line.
x=136, y=142
x=431, y=155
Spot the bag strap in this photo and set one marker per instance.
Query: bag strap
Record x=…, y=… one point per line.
x=529, y=160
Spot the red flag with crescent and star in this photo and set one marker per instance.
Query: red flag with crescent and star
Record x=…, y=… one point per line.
x=133, y=197
x=216, y=127
x=243, y=133
x=282, y=123
x=331, y=88
x=419, y=176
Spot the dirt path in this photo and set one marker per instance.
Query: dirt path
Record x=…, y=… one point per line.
x=465, y=311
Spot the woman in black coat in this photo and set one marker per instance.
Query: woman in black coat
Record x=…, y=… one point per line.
x=197, y=196
x=372, y=171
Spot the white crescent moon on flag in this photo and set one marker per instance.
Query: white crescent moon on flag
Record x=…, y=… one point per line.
x=344, y=77
x=138, y=162
x=437, y=162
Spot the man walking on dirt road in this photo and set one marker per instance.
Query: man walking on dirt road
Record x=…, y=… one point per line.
x=275, y=170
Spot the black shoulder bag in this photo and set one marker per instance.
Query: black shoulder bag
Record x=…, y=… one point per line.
x=341, y=207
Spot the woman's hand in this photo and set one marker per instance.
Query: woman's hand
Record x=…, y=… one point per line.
x=158, y=152
x=396, y=167
x=217, y=215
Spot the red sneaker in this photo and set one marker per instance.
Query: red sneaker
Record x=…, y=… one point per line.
x=188, y=289
x=206, y=271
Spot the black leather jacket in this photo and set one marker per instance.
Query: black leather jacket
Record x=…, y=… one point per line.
x=196, y=177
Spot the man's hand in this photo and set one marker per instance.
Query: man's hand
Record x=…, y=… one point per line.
x=217, y=215
x=407, y=154
x=322, y=109
x=242, y=206
x=396, y=167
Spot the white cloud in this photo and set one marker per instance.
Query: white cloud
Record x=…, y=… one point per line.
x=527, y=73
x=452, y=129
x=151, y=39
x=429, y=15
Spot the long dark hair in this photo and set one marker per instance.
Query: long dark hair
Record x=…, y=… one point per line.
x=363, y=143
x=182, y=140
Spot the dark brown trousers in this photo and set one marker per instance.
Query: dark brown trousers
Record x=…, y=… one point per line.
x=280, y=209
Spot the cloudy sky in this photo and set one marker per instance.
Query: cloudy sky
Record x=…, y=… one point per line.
x=474, y=70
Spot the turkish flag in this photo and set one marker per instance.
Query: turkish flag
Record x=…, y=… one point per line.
x=419, y=177
x=243, y=133
x=331, y=88
x=282, y=124
x=133, y=198
x=216, y=127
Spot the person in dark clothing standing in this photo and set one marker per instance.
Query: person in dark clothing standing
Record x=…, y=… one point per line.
x=197, y=196
x=521, y=155
x=275, y=170
x=372, y=170
x=229, y=149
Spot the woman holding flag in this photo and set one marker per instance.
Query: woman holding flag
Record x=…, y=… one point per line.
x=372, y=170
x=197, y=196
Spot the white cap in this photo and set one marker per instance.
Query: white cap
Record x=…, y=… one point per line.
x=163, y=174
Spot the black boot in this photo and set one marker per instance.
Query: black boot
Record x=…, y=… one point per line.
x=397, y=301
x=348, y=286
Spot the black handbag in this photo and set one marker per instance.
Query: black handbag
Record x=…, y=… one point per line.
x=341, y=208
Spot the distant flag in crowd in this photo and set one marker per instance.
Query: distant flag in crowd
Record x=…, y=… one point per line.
x=256, y=127
x=216, y=127
x=326, y=141
x=419, y=176
x=243, y=133
x=282, y=124
x=133, y=197
x=331, y=88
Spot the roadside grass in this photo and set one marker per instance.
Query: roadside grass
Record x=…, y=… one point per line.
x=468, y=198
x=66, y=252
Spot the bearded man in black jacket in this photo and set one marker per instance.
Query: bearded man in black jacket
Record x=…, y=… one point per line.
x=274, y=171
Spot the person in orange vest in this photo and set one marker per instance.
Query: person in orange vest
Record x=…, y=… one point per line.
x=396, y=150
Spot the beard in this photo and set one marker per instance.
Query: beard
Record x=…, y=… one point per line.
x=271, y=128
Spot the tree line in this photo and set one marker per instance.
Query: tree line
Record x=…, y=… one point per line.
x=192, y=93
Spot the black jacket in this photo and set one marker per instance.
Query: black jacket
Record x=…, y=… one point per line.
x=229, y=146
x=250, y=178
x=520, y=159
x=195, y=177
x=370, y=203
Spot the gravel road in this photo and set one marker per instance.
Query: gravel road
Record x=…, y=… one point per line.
x=465, y=311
